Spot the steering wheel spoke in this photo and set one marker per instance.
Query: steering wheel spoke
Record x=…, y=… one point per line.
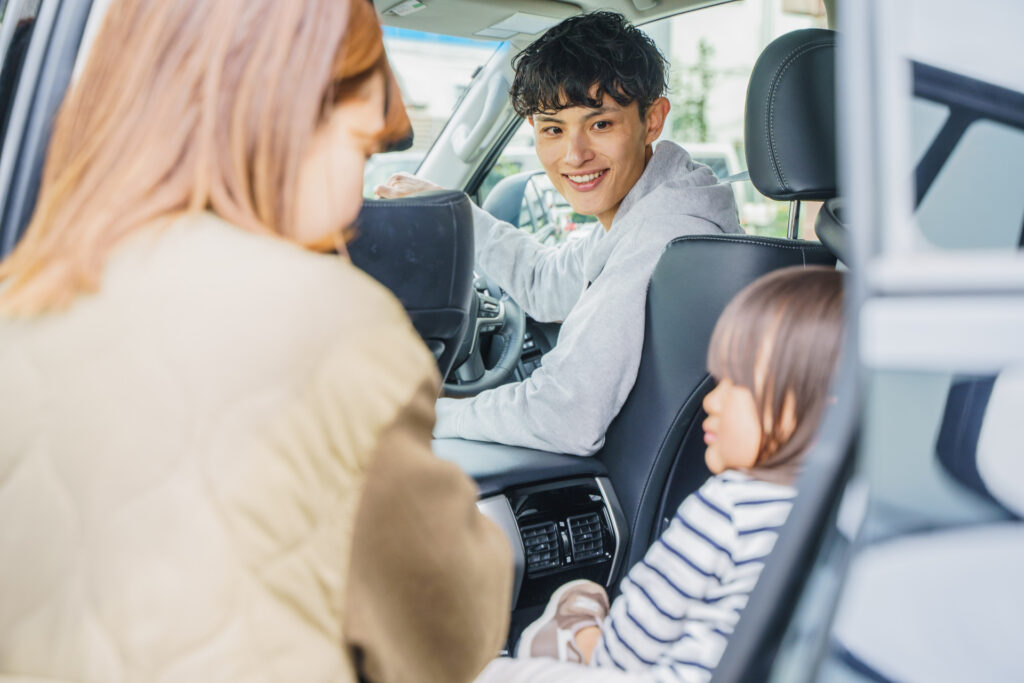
x=494, y=316
x=490, y=315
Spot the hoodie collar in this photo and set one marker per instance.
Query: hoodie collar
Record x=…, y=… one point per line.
x=663, y=164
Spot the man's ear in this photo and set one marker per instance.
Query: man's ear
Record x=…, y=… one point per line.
x=655, y=119
x=530, y=119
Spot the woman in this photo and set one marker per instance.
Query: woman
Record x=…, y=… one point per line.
x=215, y=463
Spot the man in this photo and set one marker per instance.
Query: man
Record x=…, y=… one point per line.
x=593, y=89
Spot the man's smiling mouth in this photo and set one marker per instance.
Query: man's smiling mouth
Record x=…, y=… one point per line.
x=587, y=180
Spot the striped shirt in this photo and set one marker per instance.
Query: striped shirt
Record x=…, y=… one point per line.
x=679, y=604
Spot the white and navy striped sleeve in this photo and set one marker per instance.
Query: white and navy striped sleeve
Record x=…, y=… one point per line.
x=679, y=604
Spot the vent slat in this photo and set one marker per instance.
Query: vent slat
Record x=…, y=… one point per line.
x=586, y=536
x=540, y=541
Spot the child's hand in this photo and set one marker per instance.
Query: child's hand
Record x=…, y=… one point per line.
x=582, y=598
x=577, y=607
x=586, y=640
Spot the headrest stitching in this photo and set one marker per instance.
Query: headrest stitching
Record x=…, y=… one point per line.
x=411, y=205
x=774, y=242
x=773, y=90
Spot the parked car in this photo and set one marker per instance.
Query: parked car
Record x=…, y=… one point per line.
x=899, y=559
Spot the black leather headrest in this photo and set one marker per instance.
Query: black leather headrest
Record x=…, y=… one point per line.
x=409, y=245
x=421, y=248
x=790, y=120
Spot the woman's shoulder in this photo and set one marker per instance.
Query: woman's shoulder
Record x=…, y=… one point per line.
x=282, y=277
x=228, y=286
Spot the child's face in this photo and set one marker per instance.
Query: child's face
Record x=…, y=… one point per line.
x=732, y=430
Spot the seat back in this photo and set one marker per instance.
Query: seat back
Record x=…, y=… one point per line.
x=421, y=248
x=980, y=434
x=654, y=449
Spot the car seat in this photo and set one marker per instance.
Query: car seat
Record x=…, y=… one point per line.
x=654, y=449
x=949, y=598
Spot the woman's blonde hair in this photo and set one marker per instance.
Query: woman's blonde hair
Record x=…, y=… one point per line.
x=780, y=338
x=186, y=105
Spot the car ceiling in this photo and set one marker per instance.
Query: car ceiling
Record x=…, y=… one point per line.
x=465, y=18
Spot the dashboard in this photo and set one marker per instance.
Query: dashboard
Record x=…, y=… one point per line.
x=560, y=513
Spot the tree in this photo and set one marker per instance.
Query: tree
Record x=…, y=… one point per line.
x=688, y=118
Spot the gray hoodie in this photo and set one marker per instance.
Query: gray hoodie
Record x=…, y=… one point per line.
x=598, y=287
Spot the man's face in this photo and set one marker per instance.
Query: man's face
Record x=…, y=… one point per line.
x=595, y=156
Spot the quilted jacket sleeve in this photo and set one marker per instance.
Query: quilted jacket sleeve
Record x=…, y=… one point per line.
x=430, y=577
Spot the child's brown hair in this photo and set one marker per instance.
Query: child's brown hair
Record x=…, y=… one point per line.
x=780, y=338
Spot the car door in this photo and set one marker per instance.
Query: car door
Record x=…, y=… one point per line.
x=887, y=570
x=47, y=47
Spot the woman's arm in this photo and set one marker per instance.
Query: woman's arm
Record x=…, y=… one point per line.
x=429, y=584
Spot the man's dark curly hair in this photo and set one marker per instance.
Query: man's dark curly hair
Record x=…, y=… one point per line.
x=559, y=69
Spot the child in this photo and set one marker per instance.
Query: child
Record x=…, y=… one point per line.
x=773, y=352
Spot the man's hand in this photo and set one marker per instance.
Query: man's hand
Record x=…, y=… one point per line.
x=403, y=184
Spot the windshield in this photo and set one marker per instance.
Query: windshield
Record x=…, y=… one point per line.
x=434, y=72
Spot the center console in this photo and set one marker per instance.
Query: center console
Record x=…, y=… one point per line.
x=560, y=513
x=569, y=529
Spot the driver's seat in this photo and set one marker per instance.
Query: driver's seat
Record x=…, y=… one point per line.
x=654, y=449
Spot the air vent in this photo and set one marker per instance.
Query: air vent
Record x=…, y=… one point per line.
x=586, y=536
x=540, y=541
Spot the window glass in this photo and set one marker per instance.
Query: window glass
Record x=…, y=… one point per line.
x=711, y=53
x=986, y=165
x=927, y=120
x=967, y=149
x=434, y=72
x=17, y=19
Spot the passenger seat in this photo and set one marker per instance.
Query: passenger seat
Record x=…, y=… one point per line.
x=950, y=590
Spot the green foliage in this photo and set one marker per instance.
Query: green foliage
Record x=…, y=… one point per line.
x=690, y=86
x=501, y=169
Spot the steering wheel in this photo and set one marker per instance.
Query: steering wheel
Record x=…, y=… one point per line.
x=495, y=314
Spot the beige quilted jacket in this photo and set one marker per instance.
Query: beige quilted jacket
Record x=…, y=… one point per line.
x=218, y=469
